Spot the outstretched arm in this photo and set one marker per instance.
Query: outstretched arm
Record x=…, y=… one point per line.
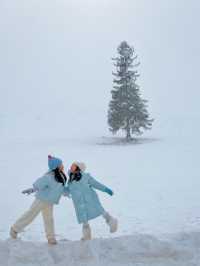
x=97, y=185
x=41, y=183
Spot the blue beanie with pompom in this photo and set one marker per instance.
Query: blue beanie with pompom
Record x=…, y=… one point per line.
x=54, y=162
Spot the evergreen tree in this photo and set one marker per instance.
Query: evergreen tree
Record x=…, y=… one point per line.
x=127, y=109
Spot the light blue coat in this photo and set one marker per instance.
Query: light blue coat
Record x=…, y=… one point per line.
x=48, y=189
x=85, y=198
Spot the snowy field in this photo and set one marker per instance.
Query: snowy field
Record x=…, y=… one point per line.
x=157, y=199
x=155, y=180
x=137, y=250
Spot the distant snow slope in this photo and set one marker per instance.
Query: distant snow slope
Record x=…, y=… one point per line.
x=143, y=250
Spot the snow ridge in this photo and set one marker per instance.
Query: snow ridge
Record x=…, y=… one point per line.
x=177, y=250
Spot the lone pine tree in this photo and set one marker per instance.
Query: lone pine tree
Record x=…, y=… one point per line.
x=127, y=110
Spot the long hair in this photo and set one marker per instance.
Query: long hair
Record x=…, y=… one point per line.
x=60, y=177
x=75, y=176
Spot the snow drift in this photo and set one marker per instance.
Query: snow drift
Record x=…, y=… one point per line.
x=143, y=250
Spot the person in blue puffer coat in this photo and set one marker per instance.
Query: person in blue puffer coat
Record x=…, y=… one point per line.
x=48, y=190
x=81, y=188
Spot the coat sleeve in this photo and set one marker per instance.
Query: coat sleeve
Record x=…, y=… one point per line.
x=95, y=184
x=41, y=183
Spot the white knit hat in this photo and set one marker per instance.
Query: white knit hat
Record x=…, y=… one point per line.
x=81, y=165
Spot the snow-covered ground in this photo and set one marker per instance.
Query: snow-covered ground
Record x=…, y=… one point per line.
x=156, y=181
x=138, y=250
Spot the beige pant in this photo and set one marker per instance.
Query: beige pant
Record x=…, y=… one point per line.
x=47, y=212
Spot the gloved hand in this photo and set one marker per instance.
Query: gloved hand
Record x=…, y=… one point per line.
x=109, y=191
x=29, y=191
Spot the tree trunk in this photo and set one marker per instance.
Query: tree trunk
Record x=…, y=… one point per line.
x=128, y=134
x=128, y=131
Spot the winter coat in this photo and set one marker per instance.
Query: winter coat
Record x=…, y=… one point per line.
x=85, y=198
x=48, y=189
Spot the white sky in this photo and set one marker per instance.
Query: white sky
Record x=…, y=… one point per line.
x=55, y=55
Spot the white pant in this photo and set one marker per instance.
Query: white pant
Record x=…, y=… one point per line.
x=47, y=212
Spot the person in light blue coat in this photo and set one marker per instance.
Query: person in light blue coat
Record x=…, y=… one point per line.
x=81, y=188
x=48, y=190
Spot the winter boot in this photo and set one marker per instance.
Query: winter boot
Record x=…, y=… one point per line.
x=13, y=233
x=111, y=222
x=87, y=234
x=52, y=241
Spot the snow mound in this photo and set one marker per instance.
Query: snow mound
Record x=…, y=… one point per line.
x=143, y=250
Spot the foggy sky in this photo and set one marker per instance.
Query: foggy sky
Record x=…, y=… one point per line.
x=55, y=57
